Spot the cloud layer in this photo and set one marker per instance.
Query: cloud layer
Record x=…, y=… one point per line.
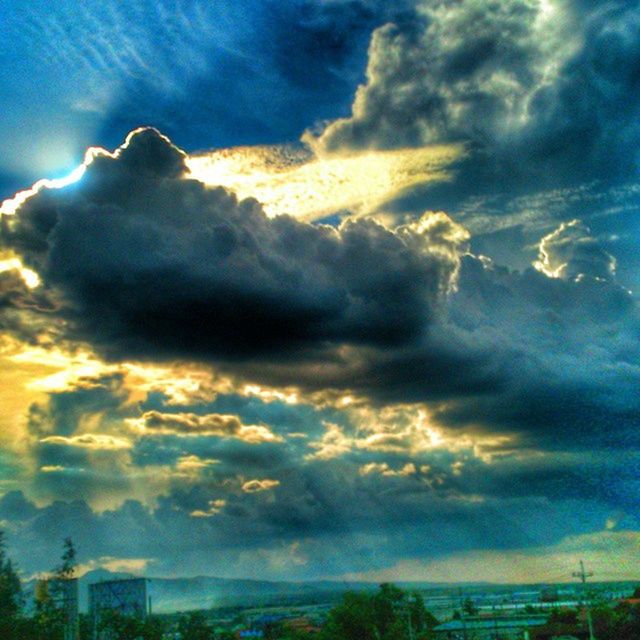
x=150, y=262
x=447, y=368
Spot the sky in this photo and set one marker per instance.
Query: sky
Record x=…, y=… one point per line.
x=302, y=289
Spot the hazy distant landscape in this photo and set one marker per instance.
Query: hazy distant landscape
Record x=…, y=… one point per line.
x=207, y=592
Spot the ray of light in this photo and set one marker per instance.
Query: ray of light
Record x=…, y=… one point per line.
x=295, y=182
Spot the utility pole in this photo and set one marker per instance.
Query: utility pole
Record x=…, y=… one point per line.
x=409, y=625
x=462, y=613
x=583, y=575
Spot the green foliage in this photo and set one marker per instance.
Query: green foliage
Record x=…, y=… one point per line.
x=120, y=627
x=48, y=622
x=11, y=600
x=620, y=623
x=609, y=623
x=388, y=614
x=469, y=608
x=563, y=616
x=86, y=627
x=193, y=626
x=67, y=567
x=287, y=633
x=352, y=619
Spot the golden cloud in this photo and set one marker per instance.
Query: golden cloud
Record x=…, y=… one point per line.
x=191, y=424
x=93, y=441
x=256, y=486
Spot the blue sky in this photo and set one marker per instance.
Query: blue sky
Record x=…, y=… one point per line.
x=340, y=290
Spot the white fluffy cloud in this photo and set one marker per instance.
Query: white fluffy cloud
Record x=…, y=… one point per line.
x=572, y=252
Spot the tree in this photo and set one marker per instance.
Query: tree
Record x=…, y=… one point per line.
x=193, y=626
x=388, y=614
x=469, y=607
x=352, y=619
x=387, y=605
x=123, y=627
x=625, y=624
x=66, y=570
x=11, y=599
x=422, y=620
x=50, y=615
x=563, y=616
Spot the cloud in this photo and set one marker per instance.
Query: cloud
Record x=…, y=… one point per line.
x=463, y=70
x=385, y=470
x=191, y=424
x=571, y=252
x=217, y=527
x=137, y=253
x=541, y=92
x=135, y=566
x=256, y=486
x=92, y=441
x=333, y=444
x=193, y=464
x=604, y=552
x=215, y=384
x=215, y=506
x=163, y=267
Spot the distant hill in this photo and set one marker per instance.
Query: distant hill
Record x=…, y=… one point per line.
x=203, y=592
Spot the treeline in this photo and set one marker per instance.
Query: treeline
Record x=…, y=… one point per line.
x=47, y=619
x=388, y=614
x=620, y=622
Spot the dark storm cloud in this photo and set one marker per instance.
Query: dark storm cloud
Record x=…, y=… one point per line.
x=570, y=352
x=608, y=478
x=544, y=93
x=23, y=312
x=151, y=263
x=554, y=359
x=398, y=502
x=324, y=507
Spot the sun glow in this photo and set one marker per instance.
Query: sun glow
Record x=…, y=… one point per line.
x=11, y=205
x=294, y=181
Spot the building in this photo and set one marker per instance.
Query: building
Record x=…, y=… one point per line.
x=124, y=597
x=490, y=628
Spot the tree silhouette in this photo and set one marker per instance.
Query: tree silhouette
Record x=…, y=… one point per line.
x=11, y=599
x=388, y=614
x=67, y=568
